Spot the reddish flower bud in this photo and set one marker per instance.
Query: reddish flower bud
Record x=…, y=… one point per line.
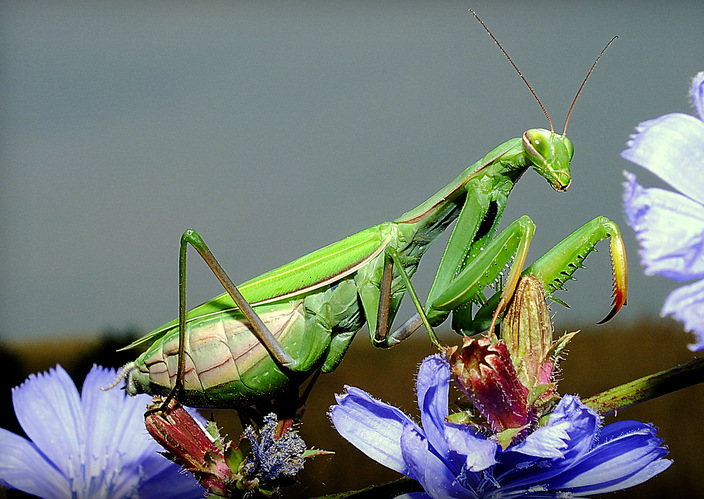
x=485, y=373
x=190, y=446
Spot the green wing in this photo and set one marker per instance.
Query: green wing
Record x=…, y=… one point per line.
x=308, y=273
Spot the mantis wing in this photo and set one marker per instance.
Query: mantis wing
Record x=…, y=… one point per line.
x=313, y=271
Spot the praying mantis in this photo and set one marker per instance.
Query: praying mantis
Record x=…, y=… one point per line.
x=269, y=334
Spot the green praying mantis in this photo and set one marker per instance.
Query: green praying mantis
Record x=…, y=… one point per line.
x=269, y=334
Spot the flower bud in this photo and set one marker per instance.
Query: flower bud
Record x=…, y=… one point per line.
x=527, y=331
x=190, y=446
x=485, y=373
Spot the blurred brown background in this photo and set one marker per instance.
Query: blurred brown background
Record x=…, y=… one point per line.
x=599, y=358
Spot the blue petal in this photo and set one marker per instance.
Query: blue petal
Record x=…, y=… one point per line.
x=468, y=448
x=24, y=467
x=123, y=457
x=433, y=388
x=672, y=147
x=670, y=229
x=584, y=424
x=687, y=305
x=698, y=94
x=166, y=480
x=478, y=452
x=546, y=441
x=426, y=467
x=372, y=426
x=114, y=433
x=629, y=454
x=48, y=408
x=567, y=438
x=96, y=442
x=576, y=419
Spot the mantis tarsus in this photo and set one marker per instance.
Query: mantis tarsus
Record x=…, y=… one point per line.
x=273, y=331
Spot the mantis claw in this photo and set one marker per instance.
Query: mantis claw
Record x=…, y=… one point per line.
x=620, y=276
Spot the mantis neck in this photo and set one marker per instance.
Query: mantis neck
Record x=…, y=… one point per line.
x=497, y=173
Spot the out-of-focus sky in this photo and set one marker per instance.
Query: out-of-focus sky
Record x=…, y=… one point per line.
x=274, y=128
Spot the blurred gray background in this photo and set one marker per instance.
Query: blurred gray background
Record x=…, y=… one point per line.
x=274, y=128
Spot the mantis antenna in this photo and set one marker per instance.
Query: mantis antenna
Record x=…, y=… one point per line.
x=519, y=71
x=585, y=81
x=564, y=130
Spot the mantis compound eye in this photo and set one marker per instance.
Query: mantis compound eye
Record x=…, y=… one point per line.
x=569, y=146
x=537, y=144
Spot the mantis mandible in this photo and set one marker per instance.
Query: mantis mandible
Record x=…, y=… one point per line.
x=273, y=331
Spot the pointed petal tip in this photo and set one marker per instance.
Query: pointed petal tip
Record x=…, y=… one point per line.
x=685, y=305
x=696, y=347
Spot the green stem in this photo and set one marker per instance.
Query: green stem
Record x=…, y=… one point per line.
x=647, y=387
x=398, y=487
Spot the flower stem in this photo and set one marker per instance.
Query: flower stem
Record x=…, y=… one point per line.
x=403, y=485
x=647, y=387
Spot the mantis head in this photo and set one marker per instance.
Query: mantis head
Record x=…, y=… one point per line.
x=550, y=154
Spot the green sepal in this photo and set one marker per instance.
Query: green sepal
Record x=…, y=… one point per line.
x=316, y=452
x=537, y=391
x=505, y=437
x=559, y=345
x=465, y=418
x=214, y=433
x=234, y=458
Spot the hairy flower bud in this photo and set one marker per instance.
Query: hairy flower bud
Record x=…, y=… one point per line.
x=485, y=373
x=191, y=446
x=527, y=331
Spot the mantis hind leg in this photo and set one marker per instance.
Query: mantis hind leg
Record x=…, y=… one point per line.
x=259, y=329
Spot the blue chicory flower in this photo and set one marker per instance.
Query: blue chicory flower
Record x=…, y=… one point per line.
x=571, y=456
x=670, y=225
x=92, y=445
